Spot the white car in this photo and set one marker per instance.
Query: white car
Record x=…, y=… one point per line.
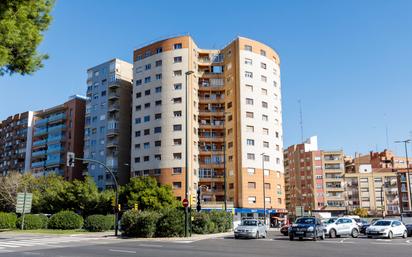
x=251, y=229
x=336, y=227
x=387, y=228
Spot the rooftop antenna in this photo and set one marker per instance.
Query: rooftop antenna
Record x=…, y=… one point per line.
x=301, y=119
x=387, y=132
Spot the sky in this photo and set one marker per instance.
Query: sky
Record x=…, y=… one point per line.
x=349, y=62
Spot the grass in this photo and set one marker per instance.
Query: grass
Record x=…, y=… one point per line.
x=50, y=231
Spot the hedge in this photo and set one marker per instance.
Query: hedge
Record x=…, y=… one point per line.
x=139, y=223
x=65, y=220
x=7, y=220
x=98, y=223
x=202, y=224
x=222, y=220
x=33, y=221
x=171, y=223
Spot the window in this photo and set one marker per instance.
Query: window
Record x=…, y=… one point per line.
x=103, y=117
x=177, y=141
x=275, y=84
x=137, y=159
x=146, y=145
x=279, y=200
x=264, y=105
x=147, y=80
x=177, y=59
x=138, y=82
x=177, y=73
x=146, y=132
x=177, y=156
x=177, y=100
x=177, y=86
x=251, y=185
x=248, y=48
x=157, y=130
x=250, y=156
x=248, y=61
x=158, y=63
x=159, y=76
x=265, y=144
x=264, y=91
x=177, y=170
x=159, y=50
x=250, y=142
x=146, y=158
x=266, y=158
x=147, y=92
x=248, y=74
x=177, y=185
x=265, y=131
x=277, y=134
x=103, y=93
x=249, y=88
x=137, y=133
x=177, y=113
x=147, y=53
x=251, y=199
x=158, y=157
x=249, y=114
x=250, y=128
x=158, y=116
x=265, y=117
x=158, y=143
x=229, y=105
x=146, y=118
x=137, y=120
x=268, y=199
x=177, y=127
x=158, y=102
x=263, y=78
x=158, y=89
x=230, y=145
x=249, y=101
x=263, y=65
x=251, y=171
x=263, y=52
x=178, y=46
x=147, y=105
x=148, y=66
x=138, y=95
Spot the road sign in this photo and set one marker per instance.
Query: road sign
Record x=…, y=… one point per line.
x=24, y=202
x=185, y=203
x=70, y=159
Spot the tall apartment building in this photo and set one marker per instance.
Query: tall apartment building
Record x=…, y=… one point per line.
x=234, y=97
x=314, y=178
x=58, y=130
x=378, y=182
x=108, y=117
x=15, y=143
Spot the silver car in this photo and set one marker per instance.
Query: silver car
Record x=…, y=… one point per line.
x=336, y=227
x=251, y=229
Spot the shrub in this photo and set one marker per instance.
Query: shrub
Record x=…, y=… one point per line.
x=139, y=223
x=98, y=223
x=171, y=223
x=32, y=221
x=110, y=219
x=7, y=220
x=66, y=220
x=202, y=223
x=222, y=220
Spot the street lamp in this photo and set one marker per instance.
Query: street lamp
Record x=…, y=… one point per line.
x=405, y=142
x=264, y=189
x=187, y=74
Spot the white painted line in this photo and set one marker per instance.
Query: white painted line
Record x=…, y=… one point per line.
x=150, y=245
x=6, y=245
x=183, y=242
x=121, y=251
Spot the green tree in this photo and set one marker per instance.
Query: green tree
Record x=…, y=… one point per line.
x=148, y=194
x=22, y=23
x=361, y=212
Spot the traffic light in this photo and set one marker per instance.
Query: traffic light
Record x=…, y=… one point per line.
x=119, y=207
x=70, y=159
x=198, y=206
x=192, y=200
x=135, y=206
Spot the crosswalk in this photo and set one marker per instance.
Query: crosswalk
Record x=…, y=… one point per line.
x=41, y=242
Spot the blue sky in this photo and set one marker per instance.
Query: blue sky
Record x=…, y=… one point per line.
x=348, y=61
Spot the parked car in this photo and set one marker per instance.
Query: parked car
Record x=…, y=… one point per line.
x=365, y=226
x=360, y=222
x=336, y=227
x=409, y=229
x=251, y=228
x=307, y=227
x=284, y=230
x=387, y=228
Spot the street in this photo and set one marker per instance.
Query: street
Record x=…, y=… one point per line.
x=274, y=245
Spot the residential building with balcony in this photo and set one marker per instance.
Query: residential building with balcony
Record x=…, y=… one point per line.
x=234, y=116
x=313, y=178
x=107, y=122
x=57, y=131
x=15, y=143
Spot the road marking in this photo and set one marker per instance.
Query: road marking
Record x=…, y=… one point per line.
x=150, y=245
x=121, y=251
x=183, y=242
x=384, y=240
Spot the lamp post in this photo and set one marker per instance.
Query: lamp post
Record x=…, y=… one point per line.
x=264, y=189
x=187, y=74
x=406, y=142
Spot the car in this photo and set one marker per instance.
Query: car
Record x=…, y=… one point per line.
x=360, y=222
x=387, y=228
x=307, y=227
x=365, y=226
x=336, y=227
x=409, y=229
x=284, y=230
x=251, y=228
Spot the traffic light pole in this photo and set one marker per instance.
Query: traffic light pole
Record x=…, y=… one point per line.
x=116, y=213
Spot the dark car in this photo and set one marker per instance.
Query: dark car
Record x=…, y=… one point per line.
x=365, y=226
x=284, y=230
x=307, y=227
x=409, y=228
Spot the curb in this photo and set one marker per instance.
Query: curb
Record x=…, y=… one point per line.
x=182, y=239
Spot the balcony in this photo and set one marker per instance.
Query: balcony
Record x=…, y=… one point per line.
x=203, y=151
x=211, y=125
x=37, y=164
x=212, y=139
x=211, y=100
x=41, y=122
x=54, y=139
x=55, y=148
x=214, y=112
x=112, y=143
x=58, y=127
x=57, y=117
x=114, y=107
x=39, y=143
x=113, y=95
x=40, y=132
x=38, y=153
x=211, y=165
x=112, y=163
x=53, y=162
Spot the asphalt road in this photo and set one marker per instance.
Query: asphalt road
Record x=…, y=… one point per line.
x=275, y=245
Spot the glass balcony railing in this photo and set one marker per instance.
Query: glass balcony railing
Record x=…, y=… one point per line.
x=39, y=132
x=57, y=117
x=55, y=138
x=53, y=162
x=38, y=153
x=58, y=127
x=37, y=164
x=54, y=148
x=41, y=122
x=40, y=142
